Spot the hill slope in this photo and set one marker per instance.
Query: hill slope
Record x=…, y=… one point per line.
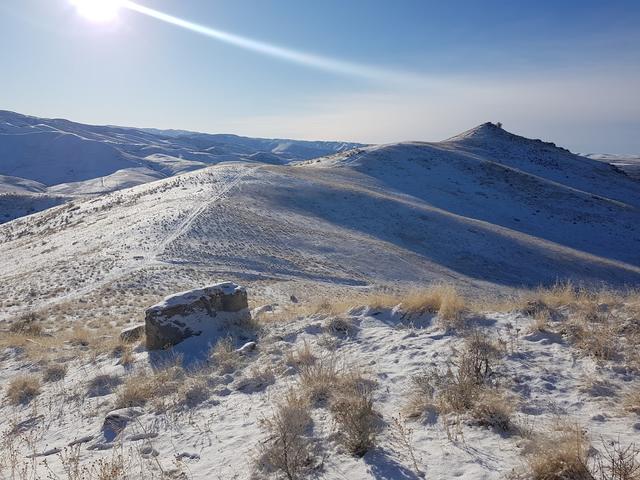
x=485, y=209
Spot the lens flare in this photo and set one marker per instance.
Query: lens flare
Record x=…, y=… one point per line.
x=312, y=60
x=107, y=10
x=100, y=11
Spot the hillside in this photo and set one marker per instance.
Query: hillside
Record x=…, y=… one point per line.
x=484, y=209
x=394, y=326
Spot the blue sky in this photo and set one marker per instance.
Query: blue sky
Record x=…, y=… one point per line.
x=565, y=71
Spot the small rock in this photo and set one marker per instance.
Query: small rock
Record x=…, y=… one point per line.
x=187, y=455
x=293, y=299
x=116, y=421
x=85, y=439
x=246, y=348
x=46, y=453
x=260, y=310
x=149, y=451
x=132, y=334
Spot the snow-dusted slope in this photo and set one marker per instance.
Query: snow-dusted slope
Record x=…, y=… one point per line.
x=407, y=213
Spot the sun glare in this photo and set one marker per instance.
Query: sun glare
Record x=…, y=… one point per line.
x=98, y=10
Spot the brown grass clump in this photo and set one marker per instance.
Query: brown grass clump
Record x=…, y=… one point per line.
x=301, y=357
x=54, y=372
x=563, y=456
x=319, y=379
x=494, y=409
x=28, y=325
x=595, y=335
x=632, y=401
x=441, y=299
x=224, y=356
x=288, y=449
x=80, y=336
x=23, y=388
x=143, y=386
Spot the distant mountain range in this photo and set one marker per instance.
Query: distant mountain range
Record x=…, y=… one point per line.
x=44, y=162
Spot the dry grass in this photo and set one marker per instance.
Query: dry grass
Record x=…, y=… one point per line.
x=143, y=386
x=224, y=356
x=494, y=409
x=23, y=388
x=632, y=401
x=29, y=325
x=302, y=356
x=562, y=456
x=466, y=387
x=353, y=412
x=441, y=299
x=318, y=379
x=597, y=338
x=54, y=372
x=287, y=451
x=445, y=300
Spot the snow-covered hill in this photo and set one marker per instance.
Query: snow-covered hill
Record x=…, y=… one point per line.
x=627, y=163
x=58, y=156
x=484, y=209
x=335, y=253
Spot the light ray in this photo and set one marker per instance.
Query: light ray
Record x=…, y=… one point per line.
x=303, y=58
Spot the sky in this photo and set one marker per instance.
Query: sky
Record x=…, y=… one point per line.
x=566, y=71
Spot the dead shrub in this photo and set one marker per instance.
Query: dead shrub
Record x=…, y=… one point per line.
x=493, y=409
x=479, y=356
x=22, y=389
x=318, y=379
x=616, y=462
x=354, y=415
x=287, y=450
x=54, y=372
x=464, y=388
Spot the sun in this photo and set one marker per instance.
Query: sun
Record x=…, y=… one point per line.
x=98, y=10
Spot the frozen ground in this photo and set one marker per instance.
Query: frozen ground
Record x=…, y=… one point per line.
x=208, y=425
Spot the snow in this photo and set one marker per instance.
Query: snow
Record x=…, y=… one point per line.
x=220, y=435
x=190, y=296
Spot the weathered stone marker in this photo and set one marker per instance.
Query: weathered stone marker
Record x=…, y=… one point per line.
x=193, y=312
